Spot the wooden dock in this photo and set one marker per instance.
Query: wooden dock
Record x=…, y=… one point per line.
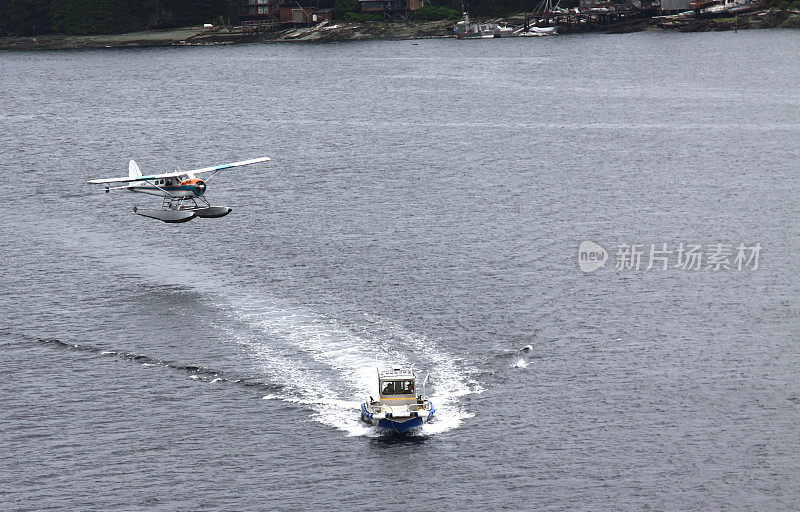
x=582, y=22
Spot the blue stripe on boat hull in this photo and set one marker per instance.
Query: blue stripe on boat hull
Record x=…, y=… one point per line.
x=404, y=426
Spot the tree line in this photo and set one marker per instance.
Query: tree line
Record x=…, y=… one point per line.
x=81, y=17
x=32, y=17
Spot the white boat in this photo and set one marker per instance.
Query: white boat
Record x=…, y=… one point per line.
x=728, y=7
x=545, y=31
x=537, y=32
x=464, y=29
x=503, y=31
x=398, y=408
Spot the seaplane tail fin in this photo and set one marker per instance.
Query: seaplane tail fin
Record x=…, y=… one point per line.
x=133, y=170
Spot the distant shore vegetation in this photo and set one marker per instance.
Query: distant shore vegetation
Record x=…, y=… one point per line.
x=84, y=17
x=436, y=10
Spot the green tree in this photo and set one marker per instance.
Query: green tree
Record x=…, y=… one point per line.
x=93, y=16
x=154, y=14
x=342, y=7
x=25, y=17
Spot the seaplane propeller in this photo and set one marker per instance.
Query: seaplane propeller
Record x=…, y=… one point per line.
x=182, y=192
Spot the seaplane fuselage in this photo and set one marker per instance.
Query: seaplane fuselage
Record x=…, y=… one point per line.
x=178, y=187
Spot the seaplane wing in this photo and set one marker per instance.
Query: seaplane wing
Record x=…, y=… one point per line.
x=138, y=178
x=215, y=168
x=227, y=166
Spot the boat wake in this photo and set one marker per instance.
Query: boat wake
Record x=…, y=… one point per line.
x=331, y=367
x=324, y=363
x=194, y=372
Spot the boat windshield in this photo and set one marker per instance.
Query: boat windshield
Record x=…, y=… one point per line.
x=398, y=387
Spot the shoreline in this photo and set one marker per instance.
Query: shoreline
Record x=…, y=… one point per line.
x=342, y=31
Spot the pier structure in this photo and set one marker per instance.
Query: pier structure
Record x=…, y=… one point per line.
x=584, y=21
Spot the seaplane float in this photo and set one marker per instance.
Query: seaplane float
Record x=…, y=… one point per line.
x=398, y=408
x=183, y=192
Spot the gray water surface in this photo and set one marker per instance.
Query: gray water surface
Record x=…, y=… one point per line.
x=424, y=205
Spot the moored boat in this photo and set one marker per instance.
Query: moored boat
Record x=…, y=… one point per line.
x=464, y=29
x=398, y=407
x=537, y=32
x=545, y=31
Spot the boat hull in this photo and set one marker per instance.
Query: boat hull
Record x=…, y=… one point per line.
x=545, y=31
x=399, y=425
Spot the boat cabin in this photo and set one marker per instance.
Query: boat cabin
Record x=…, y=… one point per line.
x=400, y=406
x=397, y=385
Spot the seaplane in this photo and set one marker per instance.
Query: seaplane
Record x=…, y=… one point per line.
x=183, y=192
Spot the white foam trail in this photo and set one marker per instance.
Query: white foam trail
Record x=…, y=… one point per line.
x=285, y=338
x=520, y=364
x=327, y=342
x=354, y=359
x=344, y=415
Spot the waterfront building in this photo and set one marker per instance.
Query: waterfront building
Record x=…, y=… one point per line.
x=260, y=12
x=268, y=13
x=301, y=15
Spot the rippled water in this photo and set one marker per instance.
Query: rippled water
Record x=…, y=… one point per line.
x=424, y=205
